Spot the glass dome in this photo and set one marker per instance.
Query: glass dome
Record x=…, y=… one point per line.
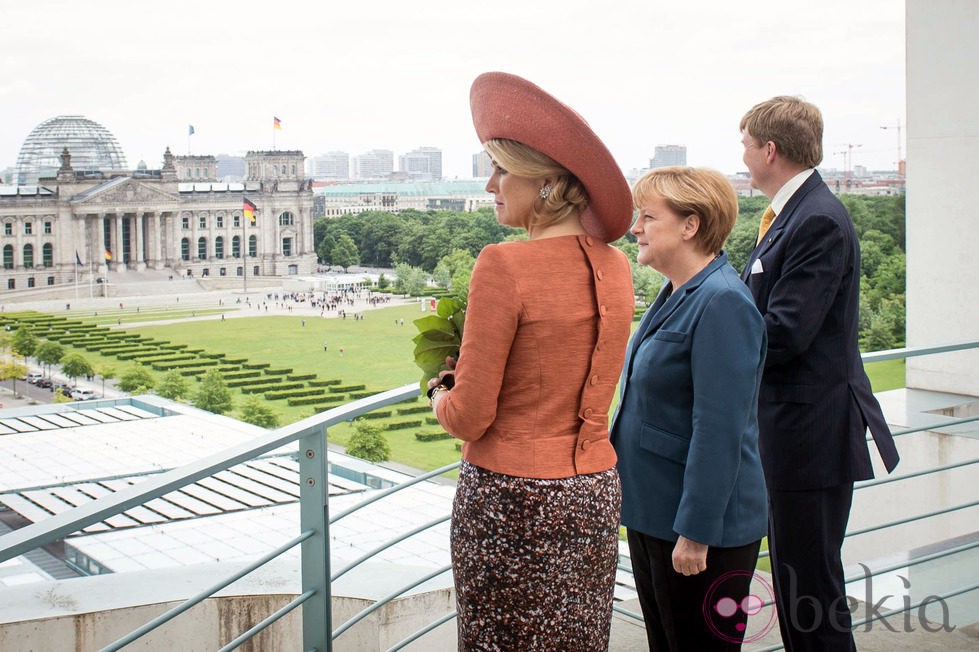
x=92, y=148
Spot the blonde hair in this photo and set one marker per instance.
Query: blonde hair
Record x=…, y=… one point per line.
x=794, y=125
x=687, y=191
x=567, y=197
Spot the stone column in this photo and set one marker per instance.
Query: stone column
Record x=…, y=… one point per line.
x=156, y=236
x=118, y=246
x=139, y=260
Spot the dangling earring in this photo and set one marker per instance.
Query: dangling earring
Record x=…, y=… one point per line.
x=545, y=192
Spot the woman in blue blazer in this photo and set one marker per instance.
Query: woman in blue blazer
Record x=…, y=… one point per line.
x=686, y=429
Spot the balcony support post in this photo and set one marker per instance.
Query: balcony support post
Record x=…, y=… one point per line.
x=314, y=516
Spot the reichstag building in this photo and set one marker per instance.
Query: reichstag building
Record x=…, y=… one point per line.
x=76, y=209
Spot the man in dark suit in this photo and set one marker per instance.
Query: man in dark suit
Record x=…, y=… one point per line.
x=815, y=403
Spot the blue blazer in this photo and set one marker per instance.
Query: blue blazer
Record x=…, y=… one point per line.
x=815, y=402
x=686, y=428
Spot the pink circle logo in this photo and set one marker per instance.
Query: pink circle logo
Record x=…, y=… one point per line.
x=729, y=603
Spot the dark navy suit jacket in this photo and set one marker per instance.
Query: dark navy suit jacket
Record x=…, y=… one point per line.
x=686, y=429
x=816, y=403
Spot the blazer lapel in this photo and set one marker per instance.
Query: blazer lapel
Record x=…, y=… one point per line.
x=780, y=222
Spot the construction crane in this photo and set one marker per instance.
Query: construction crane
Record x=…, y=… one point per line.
x=848, y=158
x=898, y=128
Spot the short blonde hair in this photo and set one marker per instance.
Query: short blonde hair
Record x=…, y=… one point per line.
x=687, y=191
x=794, y=125
x=567, y=197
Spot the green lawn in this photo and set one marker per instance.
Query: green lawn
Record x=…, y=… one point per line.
x=886, y=375
x=377, y=352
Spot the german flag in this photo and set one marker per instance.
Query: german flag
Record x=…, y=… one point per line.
x=276, y=123
x=108, y=256
x=248, y=209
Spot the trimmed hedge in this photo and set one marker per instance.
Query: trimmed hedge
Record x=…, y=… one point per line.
x=294, y=393
x=399, y=425
x=325, y=383
x=241, y=375
x=432, y=436
x=347, y=388
x=257, y=365
x=316, y=401
x=261, y=389
x=188, y=363
x=384, y=414
x=302, y=377
x=417, y=409
x=278, y=372
x=268, y=383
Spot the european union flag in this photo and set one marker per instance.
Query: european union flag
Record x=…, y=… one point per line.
x=190, y=130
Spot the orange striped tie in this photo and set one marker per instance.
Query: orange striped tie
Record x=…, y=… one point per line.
x=766, y=221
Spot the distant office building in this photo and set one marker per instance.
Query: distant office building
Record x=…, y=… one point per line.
x=332, y=166
x=482, y=165
x=375, y=164
x=422, y=164
x=463, y=195
x=230, y=168
x=668, y=155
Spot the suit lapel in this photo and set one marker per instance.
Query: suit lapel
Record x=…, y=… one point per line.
x=780, y=222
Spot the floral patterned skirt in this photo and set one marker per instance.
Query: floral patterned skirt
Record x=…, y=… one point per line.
x=534, y=560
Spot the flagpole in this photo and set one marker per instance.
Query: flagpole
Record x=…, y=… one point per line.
x=244, y=255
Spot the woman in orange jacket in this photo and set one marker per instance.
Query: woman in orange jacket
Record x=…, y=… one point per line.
x=535, y=517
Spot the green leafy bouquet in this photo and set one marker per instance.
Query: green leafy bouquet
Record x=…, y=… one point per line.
x=439, y=336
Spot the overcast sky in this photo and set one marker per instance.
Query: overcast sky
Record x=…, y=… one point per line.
x=355, y=75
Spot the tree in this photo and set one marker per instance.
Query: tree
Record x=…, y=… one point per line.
x=49, y=353
x=172, y=385
x=460, y=283
x=454, y=271
x=213, y=394
x=442, y=276
x=12, y=369
x=106, y=372
x=256, y=411
x=325, y=249
x=379, y=237
x=410, y=280
x=136, y=380
x=383, y=282
x=74, y=365
x=24, y=342
x=368, y=443
x=345, y=252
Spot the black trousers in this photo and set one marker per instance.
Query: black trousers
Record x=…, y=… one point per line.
x=682, y=613
x=805, y=534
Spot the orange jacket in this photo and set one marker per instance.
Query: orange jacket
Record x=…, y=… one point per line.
x=546, y=330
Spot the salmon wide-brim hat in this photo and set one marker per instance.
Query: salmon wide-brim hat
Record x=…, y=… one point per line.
x=510, y=107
